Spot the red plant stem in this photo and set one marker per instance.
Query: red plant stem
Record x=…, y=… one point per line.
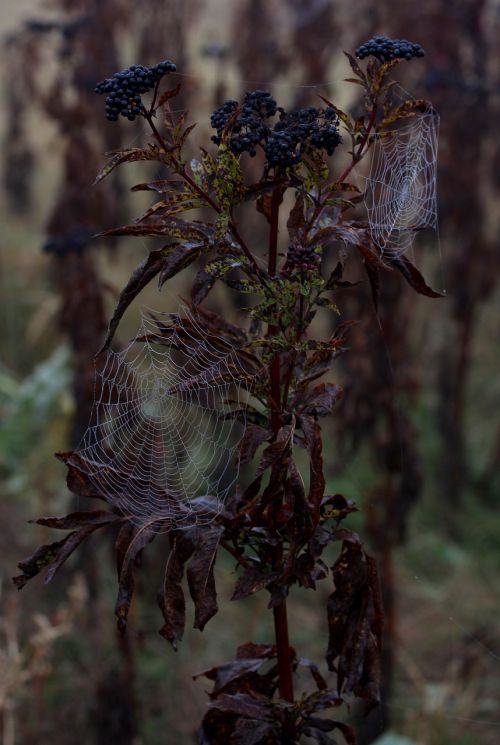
x=359, y=152
x=285, y=673
x=284, y=652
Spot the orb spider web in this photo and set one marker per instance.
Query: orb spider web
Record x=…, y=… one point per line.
x=400, y=195
x=168, y=413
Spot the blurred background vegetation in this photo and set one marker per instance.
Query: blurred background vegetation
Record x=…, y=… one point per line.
x=416, y=443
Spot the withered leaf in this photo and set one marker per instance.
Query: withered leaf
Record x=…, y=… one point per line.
x=253, y=579
x=254, y=437
x=97, y=519
x=318, y=678
x=200, y=575
x=275, y=451
x=181, y=230
x=413, y=276
x=312, y=437
x=202, y=284
x=171, y=600
x=129, y=545
x=355, y=621
x=252, y=732
x=252, y=651
x=178, y=260
x=141, y=276
x=78, y=479
x=197, y=547
x=244, y=705
x=129, y=155
x=167, y=95
x=51, y=555
x=224, y=675
x=373, y=263
x=320, y=400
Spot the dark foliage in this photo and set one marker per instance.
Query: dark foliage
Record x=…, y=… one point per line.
x=278, y=526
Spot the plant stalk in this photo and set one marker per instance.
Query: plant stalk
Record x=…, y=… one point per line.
x=285, y=673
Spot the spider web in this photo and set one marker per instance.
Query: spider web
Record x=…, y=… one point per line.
x=168, y=414
x=400, y=197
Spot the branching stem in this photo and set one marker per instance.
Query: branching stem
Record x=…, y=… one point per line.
x=356, y=157
x=201, y=192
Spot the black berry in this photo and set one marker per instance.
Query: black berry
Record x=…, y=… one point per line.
x=385, y=49
x=302, y=258
x=250, y=127
x=126, y=87
x=299, y=132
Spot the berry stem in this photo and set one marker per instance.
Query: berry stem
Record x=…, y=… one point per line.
x=356, y=157
x=358, y=154
x=201, y=192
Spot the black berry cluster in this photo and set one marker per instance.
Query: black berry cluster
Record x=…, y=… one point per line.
x=250, y=127
x=301, y=131
x=302, y=258
x=125, y=88
x=385, y=49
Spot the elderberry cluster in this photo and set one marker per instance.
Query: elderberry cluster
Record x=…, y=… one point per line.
x=125, y=88
x=385, y=49
x=249, y=128
x=300, y=131
x=304, y=258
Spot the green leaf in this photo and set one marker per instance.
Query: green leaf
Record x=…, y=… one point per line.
x=228, y=178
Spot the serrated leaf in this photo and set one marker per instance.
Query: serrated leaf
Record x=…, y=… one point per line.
x=141, y=276
x=130, y=155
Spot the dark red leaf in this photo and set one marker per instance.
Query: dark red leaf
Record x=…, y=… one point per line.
x=141, y=276
x=52, y=555
x=78, y=479
x=180, y=230
x=129, y=545
x=355, y=620
x=254, y=437
x=275, y=451
x=225, y=675
x=200, y=575
x=252, y=651
x=252, y=732
x=178, y=260
x=98, y=519
x=130, y=155
x=171, y=600
x=252, y=580
x=167, y=95
x=312, y=437
x=244, y=705
x=413, y=276
x=320, y=400
x=318, y=678
x=202, y=284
